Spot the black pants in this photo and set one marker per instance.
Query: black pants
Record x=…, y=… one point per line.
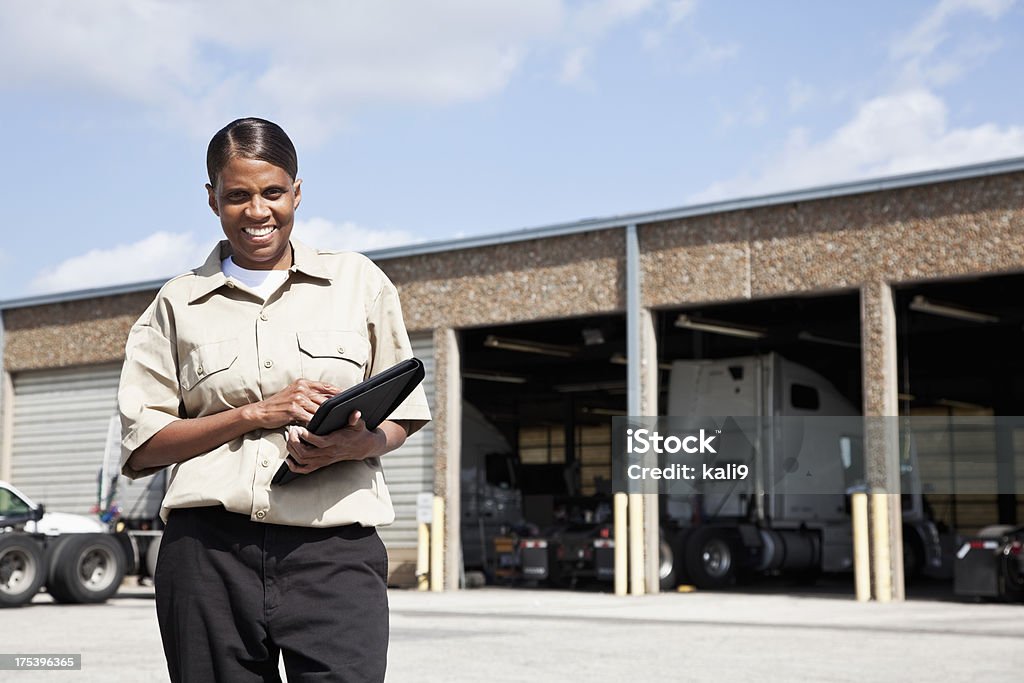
x=232, y=595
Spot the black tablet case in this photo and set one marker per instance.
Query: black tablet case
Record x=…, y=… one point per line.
x=376, y=398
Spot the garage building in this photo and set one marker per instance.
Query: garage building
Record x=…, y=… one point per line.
x=535, y=330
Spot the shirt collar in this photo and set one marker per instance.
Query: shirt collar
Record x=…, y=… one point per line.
x=209, y=276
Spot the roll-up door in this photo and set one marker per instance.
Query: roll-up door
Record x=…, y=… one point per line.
x=61, y=420
x=410, y=469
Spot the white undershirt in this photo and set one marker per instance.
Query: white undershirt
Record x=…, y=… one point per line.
x=263, y=282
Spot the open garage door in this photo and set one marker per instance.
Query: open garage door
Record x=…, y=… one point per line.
x=960, y=358
x=546, y=394
x=536, y=435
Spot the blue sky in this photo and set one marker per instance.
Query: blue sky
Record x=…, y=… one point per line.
x=419, y=121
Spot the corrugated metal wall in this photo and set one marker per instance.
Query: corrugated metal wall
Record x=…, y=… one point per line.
x=410, y=469
x=61, y=419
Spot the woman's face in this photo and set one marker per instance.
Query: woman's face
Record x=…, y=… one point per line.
x=256, y=203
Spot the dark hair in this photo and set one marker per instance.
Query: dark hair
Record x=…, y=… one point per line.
x=251, y=138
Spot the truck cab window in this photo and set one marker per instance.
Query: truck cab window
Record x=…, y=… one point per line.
x=500, y=470
x=10, y=504
x=803, y=397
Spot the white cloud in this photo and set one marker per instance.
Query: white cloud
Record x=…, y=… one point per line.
x=347, y=236
x=587, y=25
x=679, y=10
x=166, y=254
x=162, y=254
x=930, y=32
x=892, y=134
x=676, y=12
x=573, y=65
x=196, y=64
x=923, y=63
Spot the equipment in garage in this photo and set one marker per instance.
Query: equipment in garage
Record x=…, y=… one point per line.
x=991, y=564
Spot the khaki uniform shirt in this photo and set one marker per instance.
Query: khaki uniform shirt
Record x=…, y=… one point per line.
x=208, y=344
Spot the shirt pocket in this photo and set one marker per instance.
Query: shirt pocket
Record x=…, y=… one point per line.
x=207, y=382
x=337, y=357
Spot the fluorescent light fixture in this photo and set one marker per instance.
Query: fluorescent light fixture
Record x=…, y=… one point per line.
x=494, y=377
x=620, y=359
x=507, y=344
x=590, y=386
x=808, y=337
x=718, y=327
x=963, y=405
x=592, y=336
x=923, y=305
x=603, y=411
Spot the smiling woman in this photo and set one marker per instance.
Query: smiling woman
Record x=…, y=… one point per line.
x=254, y=190
x=220, y=372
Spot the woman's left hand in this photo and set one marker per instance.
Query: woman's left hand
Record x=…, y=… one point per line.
x=352, y=442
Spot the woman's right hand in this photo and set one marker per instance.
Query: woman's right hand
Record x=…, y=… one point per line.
x=295, y=404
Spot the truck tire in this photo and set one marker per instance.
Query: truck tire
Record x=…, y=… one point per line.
x=152, y=553
x=86, y=568
x=667, y=564
x=22, y=570
x=711, y=557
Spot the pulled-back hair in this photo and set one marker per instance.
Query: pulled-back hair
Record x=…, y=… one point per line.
x=251, y=138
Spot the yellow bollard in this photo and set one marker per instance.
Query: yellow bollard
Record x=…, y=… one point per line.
x=620, y=538
x=636, y=544
x=423, y=558
x=861, y=546
x=880, y=545
x=437, y=546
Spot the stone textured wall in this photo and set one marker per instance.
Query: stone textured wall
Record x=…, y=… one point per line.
x=967, y=227
x=85, y=332
x=538, y=279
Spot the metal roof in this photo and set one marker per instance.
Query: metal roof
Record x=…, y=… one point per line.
x=591, y=224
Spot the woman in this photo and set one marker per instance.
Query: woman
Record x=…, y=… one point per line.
x=218, y=372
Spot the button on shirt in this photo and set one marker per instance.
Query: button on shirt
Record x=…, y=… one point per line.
x=208, y=343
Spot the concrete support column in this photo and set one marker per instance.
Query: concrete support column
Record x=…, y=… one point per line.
x=448, y=447
x=6, y=410
x=6, y=424
x=649, y=407
x=642, y=400
x=881, y=437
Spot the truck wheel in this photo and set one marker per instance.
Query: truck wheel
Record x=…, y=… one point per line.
x=152, y=552
x=666, y=566
x=21, y=569
x=710, y=558
x=86, y=568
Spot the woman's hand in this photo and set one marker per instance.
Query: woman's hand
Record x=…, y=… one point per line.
x=352, y=442
x=295, y=404
x=184, y=439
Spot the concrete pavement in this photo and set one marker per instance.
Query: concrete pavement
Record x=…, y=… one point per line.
x=497, y=634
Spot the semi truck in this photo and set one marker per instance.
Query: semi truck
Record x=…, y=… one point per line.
x=758, y=525
x=80, y=558
x=730, y=528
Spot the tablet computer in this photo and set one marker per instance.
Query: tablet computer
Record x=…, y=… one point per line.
x=376, y=398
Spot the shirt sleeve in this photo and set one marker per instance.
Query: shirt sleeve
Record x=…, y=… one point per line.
x=149, y=396
x=389, y=344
